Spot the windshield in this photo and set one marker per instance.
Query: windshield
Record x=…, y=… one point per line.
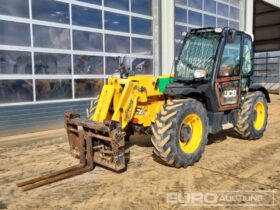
x=198, y=53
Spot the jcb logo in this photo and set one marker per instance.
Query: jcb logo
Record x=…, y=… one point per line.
x=230, y=93
x=140, y=111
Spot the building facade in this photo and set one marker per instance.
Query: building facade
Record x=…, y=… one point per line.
x=55, y=55
x=63, y=50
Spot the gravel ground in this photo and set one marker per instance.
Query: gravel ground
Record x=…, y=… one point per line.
x=228, y=164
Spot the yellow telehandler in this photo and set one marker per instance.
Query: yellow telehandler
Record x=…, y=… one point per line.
x=211, y=86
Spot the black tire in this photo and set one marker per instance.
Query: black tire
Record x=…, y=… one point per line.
x=91, y=110
x=167, y=130
x=245, y=126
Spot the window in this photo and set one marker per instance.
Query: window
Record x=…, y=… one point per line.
x=222, y=22
x=234, y=24
x=198, y=52
x=116, y=22
x=142, y=6
x=235, y=2
x=16, y=91
x=50, y=10
x=119, y=4
x=12, y=33
x=247, y=57
x=142, y=66
x=141, y=26
x=195, y=18
x=51, y=37
x=49, y=63
x=197, y=4
x=112, y=65
x=88, y=88
x=89, y=41
x=230, y=61
x=181, y=15
x=75, y=45
x=142, y=46
x=117, y=44
x=209, y=21
x=179, y=30
x=15, y=62
x=17, y=8
x=234, y=13
x=182, y=2
x=83, y=16
x=206, y=13
x=84, y=64
x=210, y=6
x=92, y=1
x=53, y=89
x=222, y=10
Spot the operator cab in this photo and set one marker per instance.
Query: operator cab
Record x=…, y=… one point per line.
x=216, y=64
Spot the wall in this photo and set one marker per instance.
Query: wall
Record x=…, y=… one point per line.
x=56, y=54
x=31, y=118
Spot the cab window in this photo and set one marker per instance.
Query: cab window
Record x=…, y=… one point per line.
x=230, y=61
x=247, y=57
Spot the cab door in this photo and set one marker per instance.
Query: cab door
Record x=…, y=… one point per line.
x=247, y=62
x=227, y=84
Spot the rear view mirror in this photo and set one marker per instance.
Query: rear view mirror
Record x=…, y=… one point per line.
x=231, y=35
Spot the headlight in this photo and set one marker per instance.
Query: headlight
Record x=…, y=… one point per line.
x=199, y=74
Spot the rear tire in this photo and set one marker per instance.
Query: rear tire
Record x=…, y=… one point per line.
x=252, y=119
x=91, y=110
x=180, y=132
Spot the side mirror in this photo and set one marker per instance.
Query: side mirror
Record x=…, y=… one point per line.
x=231, y=35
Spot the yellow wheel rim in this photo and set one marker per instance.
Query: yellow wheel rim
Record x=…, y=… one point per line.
x=195, y=124
x=260, y=116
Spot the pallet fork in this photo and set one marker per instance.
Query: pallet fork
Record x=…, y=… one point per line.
x=86, y=164
x=86, y=139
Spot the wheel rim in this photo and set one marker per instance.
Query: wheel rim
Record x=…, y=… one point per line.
x=195, y=124
x=260, y=116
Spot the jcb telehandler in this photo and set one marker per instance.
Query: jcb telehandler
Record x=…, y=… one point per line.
x=211, y=86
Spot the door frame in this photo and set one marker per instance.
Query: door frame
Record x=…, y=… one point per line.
x=219, y=80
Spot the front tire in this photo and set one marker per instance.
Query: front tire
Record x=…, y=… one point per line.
x=180, y=132
x=252, y=119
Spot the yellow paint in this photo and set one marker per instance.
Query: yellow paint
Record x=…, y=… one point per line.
x=136, y=97
x=104, y=103
x=146, y=112
x=260, y=115
x=196, y=125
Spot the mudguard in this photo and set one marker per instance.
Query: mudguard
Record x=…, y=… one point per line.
x=256, y=87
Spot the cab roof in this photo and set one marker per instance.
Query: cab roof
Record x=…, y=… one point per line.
x=218, y=30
